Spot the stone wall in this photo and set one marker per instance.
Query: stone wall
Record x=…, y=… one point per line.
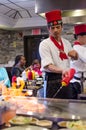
x=11, y=43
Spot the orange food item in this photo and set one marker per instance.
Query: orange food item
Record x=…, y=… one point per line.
x=25, y=105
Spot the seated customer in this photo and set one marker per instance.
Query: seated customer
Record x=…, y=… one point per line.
x=36, y=67
x=4, y=77
x=19, y=66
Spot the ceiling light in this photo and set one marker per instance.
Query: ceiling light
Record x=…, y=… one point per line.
x=70, y=10
x=71, y=13
x=71, y=17
x=74, y=13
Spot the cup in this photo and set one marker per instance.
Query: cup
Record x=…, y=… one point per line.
x=9, y=113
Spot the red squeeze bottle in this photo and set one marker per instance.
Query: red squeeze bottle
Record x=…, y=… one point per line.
x=30, y=75
x=14, y=79
x=66, y=80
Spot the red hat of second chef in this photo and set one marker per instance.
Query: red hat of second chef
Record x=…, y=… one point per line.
x=80, y=29
x=54, y=17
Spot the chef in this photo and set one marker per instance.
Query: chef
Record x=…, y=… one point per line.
x=79, y=81
x=54, y=55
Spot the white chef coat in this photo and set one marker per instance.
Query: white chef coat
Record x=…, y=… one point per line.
x=50, y=54
x=80, y=64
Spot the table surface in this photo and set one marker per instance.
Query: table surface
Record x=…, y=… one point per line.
x=60, y=108
x=57, y=109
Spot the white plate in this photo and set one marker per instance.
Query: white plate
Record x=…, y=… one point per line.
x=65, y=129
x=26, y=128
x=44, y=123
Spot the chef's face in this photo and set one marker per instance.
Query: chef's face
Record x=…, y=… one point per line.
x=55, y=30
x=82, y=39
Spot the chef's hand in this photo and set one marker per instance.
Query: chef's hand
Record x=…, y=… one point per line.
x=65, y=73
x=73, y=54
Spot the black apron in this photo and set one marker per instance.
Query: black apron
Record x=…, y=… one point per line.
x=53, y=84
x=75, y=89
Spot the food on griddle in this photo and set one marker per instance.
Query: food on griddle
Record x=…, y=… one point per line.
x=62, y=123
x=27, y=105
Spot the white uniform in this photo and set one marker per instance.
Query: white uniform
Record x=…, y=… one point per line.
x=50, y=54
x=80, y=64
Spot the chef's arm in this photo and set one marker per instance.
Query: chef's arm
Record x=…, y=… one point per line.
x=81, y=52
x=73, y=54
x=52, y=68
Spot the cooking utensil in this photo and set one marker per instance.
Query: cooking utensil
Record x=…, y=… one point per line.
x=66, y=80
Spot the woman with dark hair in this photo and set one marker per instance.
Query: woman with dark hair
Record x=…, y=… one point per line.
x=18, y=66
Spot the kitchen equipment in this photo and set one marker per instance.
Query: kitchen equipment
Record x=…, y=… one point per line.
x=66, y=80
x=51, y=108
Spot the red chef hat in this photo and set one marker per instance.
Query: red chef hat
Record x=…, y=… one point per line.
x=80, y=29
x=53, y=17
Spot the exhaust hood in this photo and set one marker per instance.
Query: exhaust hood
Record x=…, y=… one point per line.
x=73, y=11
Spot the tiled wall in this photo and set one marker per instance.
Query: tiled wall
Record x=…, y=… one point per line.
x=11, y=43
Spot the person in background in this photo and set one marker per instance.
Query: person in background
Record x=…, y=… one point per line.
x=54, y=56
x=36, y=66
x=4, y=77
x=19, y=66
x=79, y=80
x=33, y=71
